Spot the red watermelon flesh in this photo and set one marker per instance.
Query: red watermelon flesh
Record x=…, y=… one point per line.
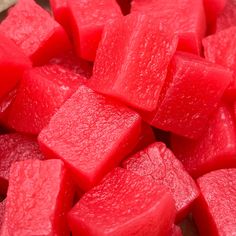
x=2, y=211
x=215, y=210
x=214, y=150
x=88, y=19
x=13, y=63
x=15, y=147
x=191, y=94
x=38, y=198
x=132, y=60
x=220, y=48
x=123, y=204
x=158, y=163
x=91, y=134
x=175, y=14
x=228, y=17
x=61, y=13
x=34, y=30
x=213, y=8
x=42, y=91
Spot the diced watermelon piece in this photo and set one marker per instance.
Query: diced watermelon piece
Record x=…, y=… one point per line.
x=5, y=105
x=42, y=91
x=176, y=231
x=88, y=19
x=38, y=198
x=13, y=62
x=215, y=210
x=214, y=150
x=228, y=17
x=220, y=48
x=147, y=137
x=15, y=147
x=123, y=204
x=213, y=8
x=70, y=62
x=61, y=13
x=174, y=14
x=91, y=134
x=191, y=94
x=158, y=163
x=33, y=29
x=2, y=211
x=141, y=52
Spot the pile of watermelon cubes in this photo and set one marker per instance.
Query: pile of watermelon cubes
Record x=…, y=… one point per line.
x=118, y=118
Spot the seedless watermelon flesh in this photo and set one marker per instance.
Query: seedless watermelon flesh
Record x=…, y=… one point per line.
x=87, y=19
x=15, y=147
x=35, y=31
x=215, y=149
x=132, y=60
x=159, y=164
x=91, y=134
x=41, y=93
x=215, y=211
x=13, y=63
x=228, y=17
x=123, y=204
x=175, y=15
x=2, y=211
x=38, y=198
x=192, y=93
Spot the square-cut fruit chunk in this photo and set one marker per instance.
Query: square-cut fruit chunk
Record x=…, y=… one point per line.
x=158, y=163
x=13, y=63
x=215, y=212
x=190, y=96
x=123, y=204
x=35, y=31
x=38, y=198
x=91, y=134
x=15, y=147
x=174, y=14
x=132, y=60
x=41, y=93
x=87, y=19
x=215, y=149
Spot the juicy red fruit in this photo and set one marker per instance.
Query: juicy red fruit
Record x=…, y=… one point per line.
x=124, y=204
x=91, y=134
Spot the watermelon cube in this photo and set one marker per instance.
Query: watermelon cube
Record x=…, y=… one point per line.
x=213, y=9
x=158, y=163
x=228, y=17
x=91, y=134
x=15, y=147
x=220, y=48
x=42, y=91
x=13, y=62
x=215, y=149
x=34, y=30
x=175, y=14
x=123, y=204
x=132, y=60
x=38, y=198
x=191, y=94
x=214, y=212
x=87, y=19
